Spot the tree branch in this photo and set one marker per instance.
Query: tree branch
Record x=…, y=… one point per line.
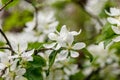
x=8, y=43
x=5, y=5
x=5, y=48
x=36, y=8
x=93, y=16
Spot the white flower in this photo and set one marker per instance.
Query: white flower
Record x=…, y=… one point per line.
x=16, y=74
x=14, y=71
x=115, y=16
x=114, y=20
x=27, y=56
x=19, y=74
x=71, y=69
x=102, y=55
x=47, y=22
x=71, y=49
x=61, y=38
x=65, y=39
x=20, y=49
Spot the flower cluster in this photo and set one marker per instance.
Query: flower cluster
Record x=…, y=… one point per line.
x=64, y=39
x=42, y=49
x=9, y=68
x=114, y=19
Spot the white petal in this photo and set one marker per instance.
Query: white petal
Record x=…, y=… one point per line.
x=79, y=46
x=114, y=11
x=23, y=46
x=14, y=65
x=113, y=21
x=20, y=71
x=20, y=78
x=49, y=45
x=75, y=33
x=53, y=25
x=52, y=36
x=28, y=55
x=116, y=29
x=4, y=57
x=74, y=54
x=63, y=55
x=117, y=39
x=12, y=57
x=67, y=71
x=69, y=39
x=2, y=66
x=63, y=30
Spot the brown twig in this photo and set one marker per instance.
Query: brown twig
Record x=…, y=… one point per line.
x=5, y=48
x=3, y=72
x=8, y=43
x=36, y=13
x=93, y=16
x=82, y=5
x=5, y=5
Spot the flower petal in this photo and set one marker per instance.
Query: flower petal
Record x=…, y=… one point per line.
x=79, y=46
x=2, y=66
x=117, y=39
x=52, y=36
x=74, y=33
x=69, y=39
x=63, y=30
x=113, y=21
x=115, y=11
x=49, y=45
x=20, y=71
x=116, y=29
x=63, y=55
x=20, y=78
x=28, y=55
x=23, y=46
x=14, y=65
x=74, y=54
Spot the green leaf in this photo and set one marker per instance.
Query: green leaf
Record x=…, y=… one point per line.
x=4, y=1
x=107, y=41
x=13, y=3
x=52, y=58
x=34, y=74
x=2, y=43
x=107, y=33
x=17, y=20
x=116, y=47
x=1, y=78
x=78, y=76
x=34, y=45
x=60, y=3
x=37, y=62
x=87, y=54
